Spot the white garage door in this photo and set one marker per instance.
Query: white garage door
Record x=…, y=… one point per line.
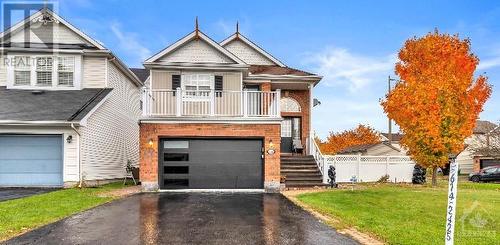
x=31, y=160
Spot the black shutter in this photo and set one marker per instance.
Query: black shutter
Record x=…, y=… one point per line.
x=219, y=84
x=176, y=82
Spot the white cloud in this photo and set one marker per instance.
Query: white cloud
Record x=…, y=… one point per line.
x=341, y=68
x=129, y=43
x=489, y=63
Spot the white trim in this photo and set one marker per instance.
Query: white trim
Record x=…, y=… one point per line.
x=21, y=24
x=40, y=123
x=83, y=121
x=180, y=120
x=238, y=36
x=214, y=190
x=77, y=72
x=189, y=37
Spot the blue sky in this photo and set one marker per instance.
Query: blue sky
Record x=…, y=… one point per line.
x=353, y=44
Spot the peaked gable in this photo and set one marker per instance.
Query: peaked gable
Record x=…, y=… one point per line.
x=196, y=51
x=57, y=30
x=196, y=47
x=248, y=51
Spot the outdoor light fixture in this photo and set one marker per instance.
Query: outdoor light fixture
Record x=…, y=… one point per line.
x=69, y=139
x=150, y=142
x=271, y=149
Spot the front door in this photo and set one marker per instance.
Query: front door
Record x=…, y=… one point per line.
x=290, y=130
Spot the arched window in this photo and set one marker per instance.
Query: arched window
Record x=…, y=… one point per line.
x=289, y=105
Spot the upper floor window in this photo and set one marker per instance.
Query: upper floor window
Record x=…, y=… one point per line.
x=22, y=71
x=41, y=71
x=197, y=86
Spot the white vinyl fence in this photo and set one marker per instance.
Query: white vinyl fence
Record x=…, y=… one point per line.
x=358, y=168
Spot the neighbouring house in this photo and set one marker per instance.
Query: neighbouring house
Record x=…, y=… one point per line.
x=220, y=115
x=382, y=148
x=467, y=160
x=69, y=108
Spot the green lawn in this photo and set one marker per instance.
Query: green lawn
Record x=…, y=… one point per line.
x=406, y=214
x=20, y=215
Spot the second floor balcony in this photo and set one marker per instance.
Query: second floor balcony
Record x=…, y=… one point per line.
x=164, y=103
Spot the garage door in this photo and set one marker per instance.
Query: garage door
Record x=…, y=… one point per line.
x=489, y=162
x=31, y=160
x=210, y=164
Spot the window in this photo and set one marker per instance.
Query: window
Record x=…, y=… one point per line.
x=22, y=71
x=65, y=71
x=45, y=71
x=44, y=67
x=197, y=86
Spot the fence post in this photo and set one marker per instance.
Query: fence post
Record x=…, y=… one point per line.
x=278, y=102
x=357, y=167
x=387, y=165
x=178, y=104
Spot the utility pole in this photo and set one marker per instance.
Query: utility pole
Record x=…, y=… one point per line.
x=389, y=80
x=389, y=133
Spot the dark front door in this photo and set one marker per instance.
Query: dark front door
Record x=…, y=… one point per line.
x=211, y=164
x=290, y=130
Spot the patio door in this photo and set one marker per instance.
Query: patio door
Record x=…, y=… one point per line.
x=290, y=130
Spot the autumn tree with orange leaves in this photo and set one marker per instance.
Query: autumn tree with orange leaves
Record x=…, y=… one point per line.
x=438, y=100
x=336, y=142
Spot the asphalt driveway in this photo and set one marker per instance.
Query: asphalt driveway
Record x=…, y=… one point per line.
x=189, y=218
x=14, y=193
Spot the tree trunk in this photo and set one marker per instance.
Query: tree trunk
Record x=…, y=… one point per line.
x=434, y=176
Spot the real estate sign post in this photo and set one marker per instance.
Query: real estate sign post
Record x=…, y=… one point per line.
x=452, y=203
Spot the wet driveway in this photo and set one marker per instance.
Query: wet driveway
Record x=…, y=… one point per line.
x=189, y=218
x=15, y=193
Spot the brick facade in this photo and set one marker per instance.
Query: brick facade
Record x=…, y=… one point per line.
x=154, y=131
x=301, y=96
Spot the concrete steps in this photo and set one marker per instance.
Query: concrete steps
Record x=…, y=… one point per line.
x=301, y=172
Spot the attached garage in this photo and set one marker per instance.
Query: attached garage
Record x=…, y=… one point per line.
x=489, y=162
x=210, y=164
x=31, y=160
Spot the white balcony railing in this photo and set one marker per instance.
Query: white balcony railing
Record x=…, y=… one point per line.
x=210, y=103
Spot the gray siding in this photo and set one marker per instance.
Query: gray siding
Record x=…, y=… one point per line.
x=3, y=72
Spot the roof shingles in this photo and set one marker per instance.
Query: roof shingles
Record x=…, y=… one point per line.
x=66, y=105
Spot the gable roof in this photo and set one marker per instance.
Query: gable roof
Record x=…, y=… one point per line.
x=45, y=11
x=395, y=136
x=190, y=37
x=483, y=127
x=365, y=147
x=51, y=105
x=239, y=37
x=141, y=73
x=277, y=70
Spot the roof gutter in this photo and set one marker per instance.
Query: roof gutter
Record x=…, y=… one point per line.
x=37, y=123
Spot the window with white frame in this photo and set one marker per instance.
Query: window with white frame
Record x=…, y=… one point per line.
x=197, y=86
x=22, y=71
x=44, y=66
x=45, y=71
x=65, y=71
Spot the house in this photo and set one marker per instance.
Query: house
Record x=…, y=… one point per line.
x=467, y=160
x=382, y=148
x=69, y=108
x=376, y=149
x=219, y=115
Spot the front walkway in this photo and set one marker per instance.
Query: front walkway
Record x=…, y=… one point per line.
x=190, y=218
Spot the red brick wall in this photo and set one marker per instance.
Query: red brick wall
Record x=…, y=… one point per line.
x=301, y=96
x=151, y=131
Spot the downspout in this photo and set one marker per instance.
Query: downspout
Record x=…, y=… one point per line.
x=80, y=177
